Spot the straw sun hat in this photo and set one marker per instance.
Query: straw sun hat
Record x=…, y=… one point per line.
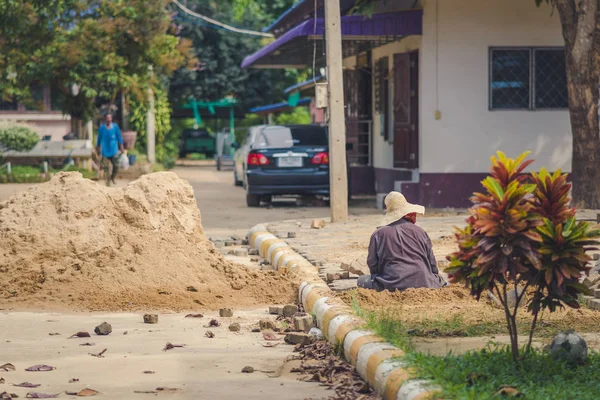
x=397, y=207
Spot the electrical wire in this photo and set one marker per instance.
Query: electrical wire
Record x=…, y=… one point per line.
x=220, y=24
x=314, y=45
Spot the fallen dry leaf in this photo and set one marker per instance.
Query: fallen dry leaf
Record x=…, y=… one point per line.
x=194, y=316
x=170, y=346
x=270, y=344
x=74, y=380
x=270, y=335
x=40, y=368
x=7, y=367
x=38, y=395
x=54, y=334
x=508, y=391
x=6, y=395
x=167, y=389
x=148, y=372
x=145, y=391
x=27, y=385
x=80, y=335
x=209, y=334
x=87, y=344
x=84, y=393
x=99, y=355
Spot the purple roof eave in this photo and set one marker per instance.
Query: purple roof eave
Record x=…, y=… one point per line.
x=400, y=23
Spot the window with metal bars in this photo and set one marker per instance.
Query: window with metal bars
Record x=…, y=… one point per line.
x=527, y=78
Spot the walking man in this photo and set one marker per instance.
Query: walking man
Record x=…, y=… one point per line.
x=400, y=252
x=110, y=146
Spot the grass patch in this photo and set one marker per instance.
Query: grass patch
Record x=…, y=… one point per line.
x=196, y=156
x=538, y=376
x=480, y=374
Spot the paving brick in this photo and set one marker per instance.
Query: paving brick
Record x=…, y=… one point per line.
x=299, y=338
x=303, y=323
x=276, y=310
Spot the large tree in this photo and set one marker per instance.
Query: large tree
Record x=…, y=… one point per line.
x=580, y=20
x=222, y=52
x=88, y=49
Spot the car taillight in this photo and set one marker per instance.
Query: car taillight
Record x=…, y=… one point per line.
x=321, y=158
x=257, y=159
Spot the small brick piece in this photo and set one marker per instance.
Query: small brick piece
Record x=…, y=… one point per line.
x=291, y=235
x=267, y=324
x=303, y=323
x=345, y=275
x=317, y=224
x=225, y=312
x=588, y=283
x=299, y=338
x=253, y=252
x=151, y=319
x=219, y=244
x=332, y=277
x=596, y=256
x=276, y=310
x=597, y=293
x=241, y=252
x=289, y=310
x=235, y=327
x=229, y=243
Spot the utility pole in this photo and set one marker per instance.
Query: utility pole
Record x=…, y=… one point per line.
x=338, y=175
x=151, y=129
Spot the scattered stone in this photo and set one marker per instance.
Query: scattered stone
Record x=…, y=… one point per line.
x=245, y=242
x=235, y=327
x=103, y=329
x=247, y=370
x=225, y=312
x=253, y=252
x=241, y=252
x=255, y=330
x=289, y=310
x=345, y=275
x=292, y=235
x=596, y=256
x=299, y=338
x=267, y=324
x=224, y=252
x=73, y=380
x=330, y=277
x=214, y=323
x=191, y=289
x=276, y=310
x=151, y=319
x=303, y=323
x=238, y=242
x=570, y=347
x=255, y=259
x=125, y=333
x=316, y=332
x=229, y=243
x=2, y=380
x=219, y=245
x=587, y=282
x=209, y=334
x=317, y=224
x=198, y=302
x=237, y=237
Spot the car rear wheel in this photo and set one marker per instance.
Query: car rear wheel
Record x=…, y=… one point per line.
x=252, y=200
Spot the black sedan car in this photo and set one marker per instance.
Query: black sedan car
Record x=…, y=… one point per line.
x=287, y=160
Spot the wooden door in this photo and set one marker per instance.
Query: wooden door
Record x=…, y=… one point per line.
x=406, y=110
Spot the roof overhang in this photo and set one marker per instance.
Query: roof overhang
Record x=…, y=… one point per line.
x=278, y=107
x=296, y=47
x=298, y=87
x=300, y=11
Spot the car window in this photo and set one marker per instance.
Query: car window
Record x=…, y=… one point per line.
x=277, y=137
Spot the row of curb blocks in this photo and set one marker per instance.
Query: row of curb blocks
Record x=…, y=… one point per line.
x=376, y=361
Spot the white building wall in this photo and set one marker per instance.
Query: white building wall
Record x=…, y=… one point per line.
x=468, y=133
x=383, y=151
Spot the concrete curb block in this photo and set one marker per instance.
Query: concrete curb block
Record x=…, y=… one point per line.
x=376, y=360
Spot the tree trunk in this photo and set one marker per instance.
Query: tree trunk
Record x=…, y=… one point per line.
x=581, y=32
x=77, y=128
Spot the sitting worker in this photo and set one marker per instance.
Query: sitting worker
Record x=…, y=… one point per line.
x=400, y=253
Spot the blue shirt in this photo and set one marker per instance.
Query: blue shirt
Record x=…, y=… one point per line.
x=109, y=139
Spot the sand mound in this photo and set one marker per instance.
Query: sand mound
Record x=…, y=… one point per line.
x=77, y=244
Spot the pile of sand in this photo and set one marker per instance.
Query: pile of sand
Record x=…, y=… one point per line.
x=418, y=307
x=72, y=243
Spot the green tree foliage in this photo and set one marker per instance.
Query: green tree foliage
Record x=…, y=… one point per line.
x=222, y=52
x=298, y=116
x=101, y=46
x=166, y=140
x=523, y=234
x=17, y=137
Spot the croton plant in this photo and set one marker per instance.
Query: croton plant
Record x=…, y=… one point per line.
x=522, y=241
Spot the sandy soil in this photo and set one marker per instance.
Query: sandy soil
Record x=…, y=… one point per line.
x=204, y=369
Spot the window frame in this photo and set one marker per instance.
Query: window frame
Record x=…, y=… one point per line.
x=532, y=50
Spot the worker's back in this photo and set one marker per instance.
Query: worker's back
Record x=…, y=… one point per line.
x=401, y=257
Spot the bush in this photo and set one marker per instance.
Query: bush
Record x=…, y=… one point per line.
x=522, y=234
x=17, y=136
